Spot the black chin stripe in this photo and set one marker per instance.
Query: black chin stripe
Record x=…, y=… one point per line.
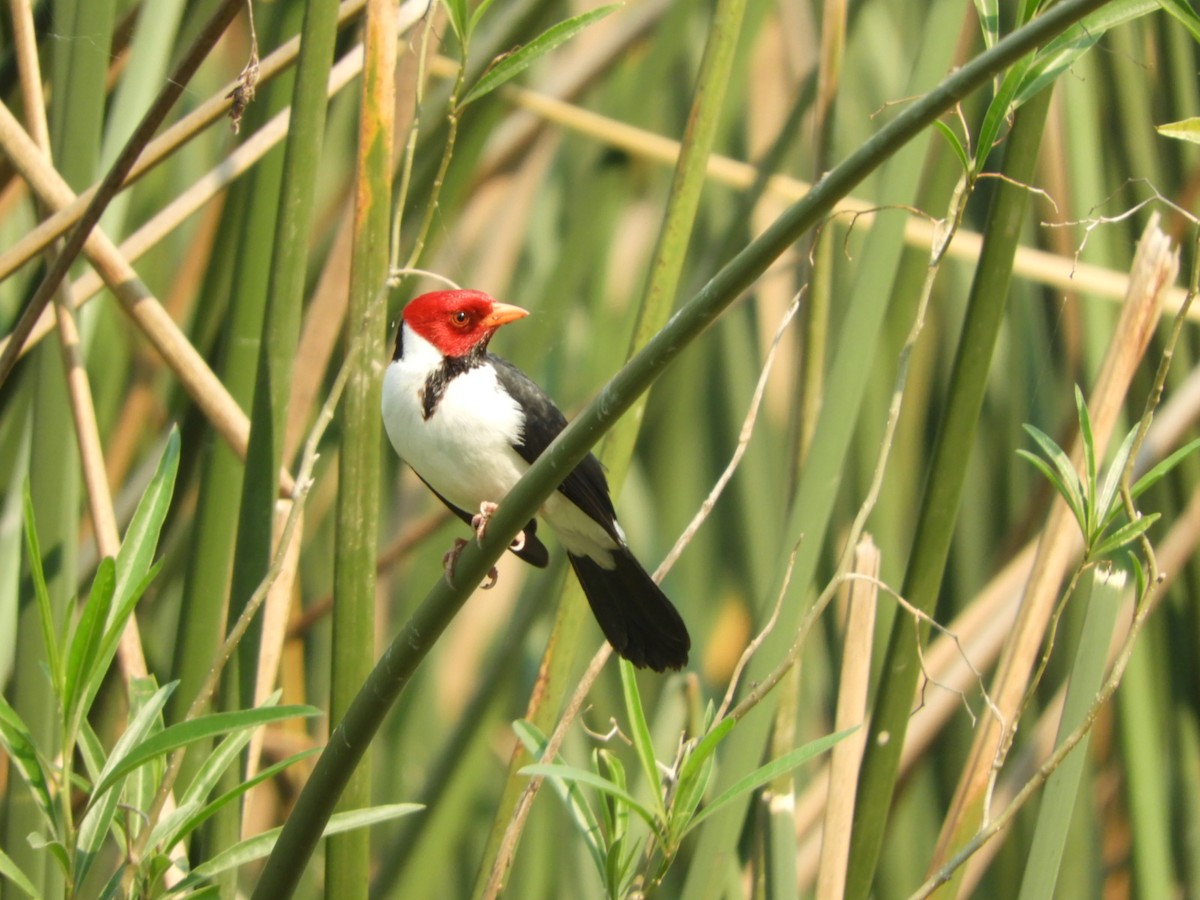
x=439, y=379
x=399, y=351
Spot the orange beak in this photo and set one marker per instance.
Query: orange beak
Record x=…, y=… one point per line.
x=502, y=314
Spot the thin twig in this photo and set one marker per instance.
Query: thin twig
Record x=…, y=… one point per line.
x=743, y=442
x=508, y=845
x=410, y=149
x=944, y=232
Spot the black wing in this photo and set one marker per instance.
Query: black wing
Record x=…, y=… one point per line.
x=534, y=552
x=586, y=485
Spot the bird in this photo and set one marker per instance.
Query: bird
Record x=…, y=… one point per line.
x=470, y=424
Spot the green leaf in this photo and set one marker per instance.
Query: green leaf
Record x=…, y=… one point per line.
x=141, y=537
x=183, y=734
x=688, y=795
x=1127, y=533
x=102, y=804
x=476, y=16
x=13, y=873
x=1184, y=14
x=1139, y=574
x=22, y=755
x=55, y=848
x=41, y=596
x=534, y=741
x=1062, y=52
x=616, y=814
x=1183, y=130
x=1064, y=477
x=1107, y=508
x=531, y=737
x=705, y=748
x=142, y=784
x=998, y=111
x=215, y=764
x=507, y=67
x=84, y=647
x=193, y=812
x=640, y=735
x=91, y=751
x=1026, y=11
x=134, y=568
x=771, y=770
x=955, y=144
x=1160, y=471
x=130, y=743
x=261, y=845
x=988, y=12
x=1089, y=463
x=576, y=775
x=615, y=833
x=1052, y=476
x=457, y=14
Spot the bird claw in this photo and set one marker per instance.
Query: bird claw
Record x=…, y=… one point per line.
x=480, y=520
x=450, y=560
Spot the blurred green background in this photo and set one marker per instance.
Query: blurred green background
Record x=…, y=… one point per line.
x=557, y=208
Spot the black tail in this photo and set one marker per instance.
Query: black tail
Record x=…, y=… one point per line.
x=634, y=614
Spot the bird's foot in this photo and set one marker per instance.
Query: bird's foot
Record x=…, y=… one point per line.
x=480, y=520
x=480, y=523
x=450, y=560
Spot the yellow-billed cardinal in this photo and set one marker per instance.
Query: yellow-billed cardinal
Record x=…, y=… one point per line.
x=470, y=424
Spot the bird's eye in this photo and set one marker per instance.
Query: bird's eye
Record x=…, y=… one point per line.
x=460, y=318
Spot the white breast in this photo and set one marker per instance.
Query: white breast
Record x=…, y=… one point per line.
x=464, y=449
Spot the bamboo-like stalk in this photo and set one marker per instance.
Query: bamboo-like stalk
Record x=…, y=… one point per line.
x=394, y=670
x=658, y=298
x=54, y=470
x=943, y=491
x=851, y=712
x=281, y=321
x=1155, y=269
x=808, y=379
x=1100, y=596
x=812, y=506
x=347, y=857
x=83, y=410
x=1145, y=744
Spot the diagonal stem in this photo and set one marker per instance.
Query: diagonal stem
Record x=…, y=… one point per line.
x=350, y=739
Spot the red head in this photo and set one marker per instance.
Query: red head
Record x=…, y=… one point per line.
x=455, y=322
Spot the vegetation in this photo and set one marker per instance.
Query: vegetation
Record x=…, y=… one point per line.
x=873, y=315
